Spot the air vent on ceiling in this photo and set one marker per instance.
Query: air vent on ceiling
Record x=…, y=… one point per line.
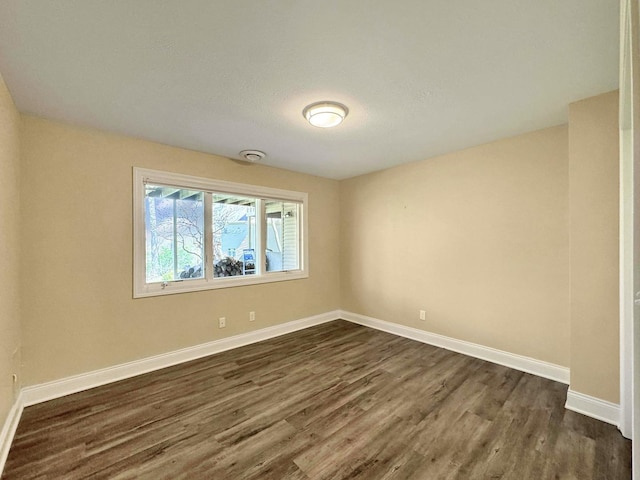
x=252, y=155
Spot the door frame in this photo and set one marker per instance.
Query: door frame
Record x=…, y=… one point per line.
x=630, y=225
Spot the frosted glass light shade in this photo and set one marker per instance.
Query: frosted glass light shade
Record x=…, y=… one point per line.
x=325, y=114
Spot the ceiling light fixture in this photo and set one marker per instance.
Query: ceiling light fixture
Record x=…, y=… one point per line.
x=252, y=155
x=325, y=114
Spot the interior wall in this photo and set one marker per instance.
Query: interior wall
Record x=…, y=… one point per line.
x=479, y=239
x=78, y=311
x=9, y=250
x=594, y=212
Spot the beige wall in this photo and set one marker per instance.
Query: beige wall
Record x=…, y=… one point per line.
x=478, y=238
x=78, y=311
x=9, y=249
x=594, y=200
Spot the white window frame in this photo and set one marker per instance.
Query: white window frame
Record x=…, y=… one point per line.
x=141, y=288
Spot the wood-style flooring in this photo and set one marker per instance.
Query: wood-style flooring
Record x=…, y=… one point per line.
x=336, y=401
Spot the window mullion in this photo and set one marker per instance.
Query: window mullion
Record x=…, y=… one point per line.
x=175, y=241
x=208, y=236
x=261, y=230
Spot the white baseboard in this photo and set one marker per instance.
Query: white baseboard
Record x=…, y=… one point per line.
x=511, y=360
x=593, y=407
x=77, y=383
x=9, y=430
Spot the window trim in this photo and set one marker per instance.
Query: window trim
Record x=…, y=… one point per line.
x=143, y=289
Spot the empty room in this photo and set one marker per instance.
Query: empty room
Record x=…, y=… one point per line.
x=319, y=240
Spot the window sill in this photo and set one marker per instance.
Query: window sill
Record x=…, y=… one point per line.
x=186, y=286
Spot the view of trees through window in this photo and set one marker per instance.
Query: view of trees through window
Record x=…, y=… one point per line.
x=174, y=220
x=175, y=234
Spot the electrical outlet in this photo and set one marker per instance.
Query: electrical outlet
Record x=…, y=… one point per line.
x=222, y=322
x=423, y=315
x=252, y=316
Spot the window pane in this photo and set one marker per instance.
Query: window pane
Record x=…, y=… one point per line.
x=174, y=230
x=282, y=249
x=234, y=235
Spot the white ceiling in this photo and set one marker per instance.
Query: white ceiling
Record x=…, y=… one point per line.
x=420, y=77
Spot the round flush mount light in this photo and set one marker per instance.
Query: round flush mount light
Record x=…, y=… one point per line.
x=252, y=155
x=325, y=114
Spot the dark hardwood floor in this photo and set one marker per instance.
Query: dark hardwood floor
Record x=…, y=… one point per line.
x=337, y=401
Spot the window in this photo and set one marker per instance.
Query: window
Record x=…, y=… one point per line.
x=193, y=233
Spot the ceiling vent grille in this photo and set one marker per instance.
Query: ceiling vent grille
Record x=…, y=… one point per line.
x=252, y=155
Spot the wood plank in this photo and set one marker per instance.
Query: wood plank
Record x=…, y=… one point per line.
x=336, y=401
